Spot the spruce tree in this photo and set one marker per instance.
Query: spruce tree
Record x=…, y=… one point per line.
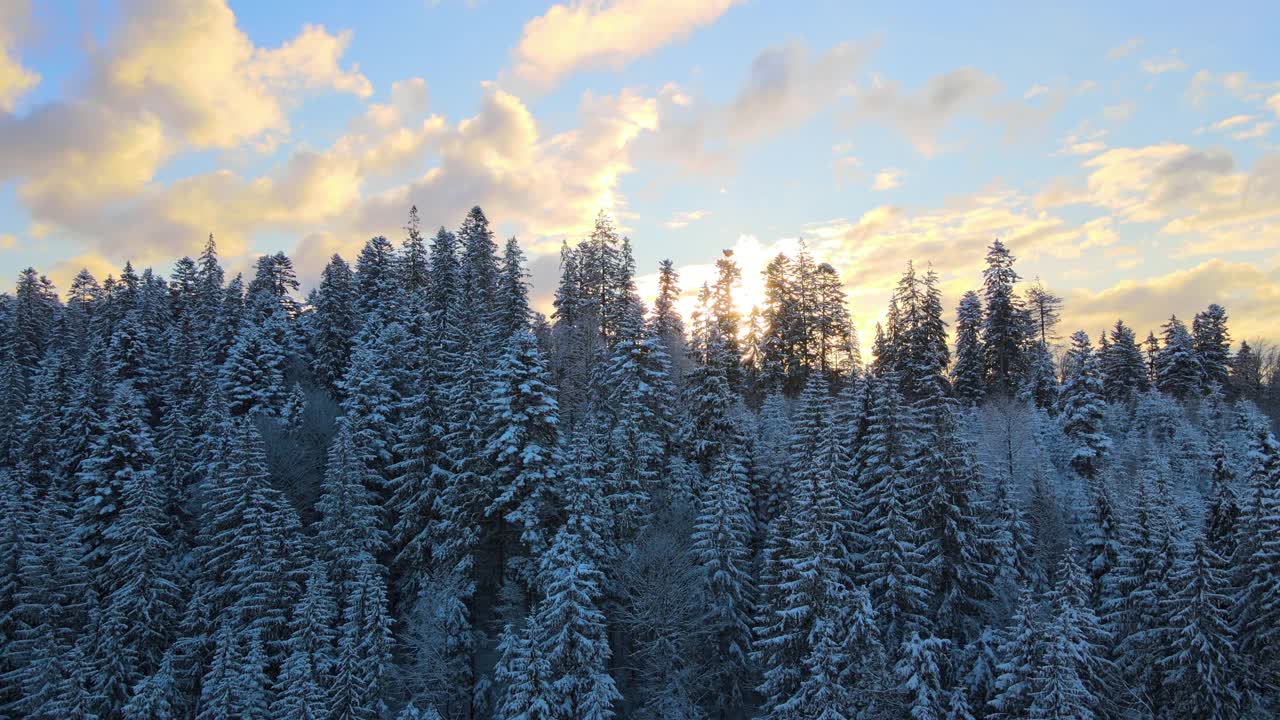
x=1177, y=367
x=1082, y=408
x=967, y=376
x=1212, y=346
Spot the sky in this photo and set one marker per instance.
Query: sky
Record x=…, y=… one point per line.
x=1127, y=153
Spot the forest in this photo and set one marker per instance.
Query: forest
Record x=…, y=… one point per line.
x=407, y=495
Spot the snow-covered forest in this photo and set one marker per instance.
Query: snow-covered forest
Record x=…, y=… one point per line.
x=407, y=495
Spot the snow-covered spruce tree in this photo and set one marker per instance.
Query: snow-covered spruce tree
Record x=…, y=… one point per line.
x=893, y=569
x=1255, y=568
x=333, y=323
x=921, y=674
x=413, y=268
x=375, y=276
x=140, y=575
x=152, y=697
x=1040, y=384
x=1020, y=654
x=968, y=379
x=956, y=547
x=1212, y=345
x=1124, y=373
x=572, y=636
x=124, y=455
x=1223, y=513
x=513, y=291
x=253, y=377
x=1082, y=408
x=349, y=527
x=373, y=400
x=721, y=543
x=1177, y=367
x=1004, y=326
x=303, y=684
x=1102, y=538
x=522, y=448
x=523, y=675
x=362, y=665
x=1199, y=669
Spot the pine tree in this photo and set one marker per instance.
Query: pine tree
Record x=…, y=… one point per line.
x=1212, y=345
x=513, y=292
x=1020, y=655
x=1199, y=671
x=1004, y=326
x=1256, y=563
x=152, y=697
x=1045, y=310
x=522, y=445
x=1123, y=368
x=1082, y=408
x=572, y=637
x=523, y=676
x=720, y=542
x=666, y=321
x=921, y=671
x=253, y=377
x=349, y=527
x=334, y=323
x=1177, y=366
x=967, y=376
x=363, y=666
x=302, y=687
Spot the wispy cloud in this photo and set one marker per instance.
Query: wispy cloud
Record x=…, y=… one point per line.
x=1164, y=64
x=682, y=219
x=1124, y=49
x=888, y=179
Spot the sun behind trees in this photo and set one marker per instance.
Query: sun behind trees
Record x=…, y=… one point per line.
x=411, y=496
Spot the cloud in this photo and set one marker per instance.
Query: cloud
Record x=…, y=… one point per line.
x=596, y=34
x=1035, y=90
x=1083, y=141
x=1205, y=84
x=8, y=241
x=1257, y=131
x=923, y=114
x=1250, y=293
x=888, y=179
x=1233, y=122
x=547, y=186
x=175, y=77
x=682, y=219
x=1124, y=49
x=15, y=80
x=189, y=61
x=785, y=85
x=1165, y=64
x=1119, y=112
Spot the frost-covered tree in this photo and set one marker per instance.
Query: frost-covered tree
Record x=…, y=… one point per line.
x=968, y=379
x=1082, y=408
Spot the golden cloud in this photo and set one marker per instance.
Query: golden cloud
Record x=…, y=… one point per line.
x=598, y=34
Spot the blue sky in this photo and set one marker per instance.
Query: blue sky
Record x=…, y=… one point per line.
x=1129, y=153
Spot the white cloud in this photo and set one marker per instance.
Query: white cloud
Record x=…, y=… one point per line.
x=888, y=179
x=786, y=85
x=1124, y=49
x=15, y=80
x=1164, y=64
x=682, y=219
x=593, y=34
x=1258, y=130
x=923, y=114
x=1035, y=90
x=1233, y=122
x=1119, y=112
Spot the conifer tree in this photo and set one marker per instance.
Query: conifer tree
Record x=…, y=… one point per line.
x=1124, y=373
x=334, y=323
x=1199, y=669
x=1004, y=326
x=720, y=541
x=921, y=671
x=1082, y=408
x=1177, y=367
x=522, y=446
x=967, y=376
x=573, y=636
x=524, y=676
x=1212, y=346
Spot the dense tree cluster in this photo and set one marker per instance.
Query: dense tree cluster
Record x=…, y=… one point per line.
x=411, y=496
